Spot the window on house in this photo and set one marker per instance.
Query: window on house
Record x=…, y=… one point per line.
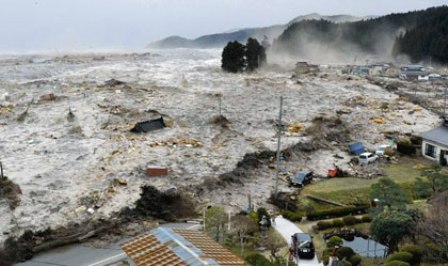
x=430, y=150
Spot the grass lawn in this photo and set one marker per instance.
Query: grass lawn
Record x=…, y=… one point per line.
x=350, y=190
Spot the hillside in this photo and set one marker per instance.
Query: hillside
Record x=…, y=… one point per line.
x=315, y=40
x=219, y=40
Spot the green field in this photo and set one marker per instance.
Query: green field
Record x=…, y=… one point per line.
x=351, y=190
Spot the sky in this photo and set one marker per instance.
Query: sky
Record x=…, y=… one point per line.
x=68, y=25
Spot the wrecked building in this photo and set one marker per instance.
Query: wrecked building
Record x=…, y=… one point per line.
x=305, y=68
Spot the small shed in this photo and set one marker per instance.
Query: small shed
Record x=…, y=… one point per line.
x=356, y=148
x=149, y=125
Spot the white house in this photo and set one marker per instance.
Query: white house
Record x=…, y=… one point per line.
x=435, y=143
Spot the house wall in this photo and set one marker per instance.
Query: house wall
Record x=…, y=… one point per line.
x=438, y=148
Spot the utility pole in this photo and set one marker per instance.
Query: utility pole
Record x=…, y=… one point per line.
x=279, y=132
x=444, y=105
x=220, y=105
x=1, y=169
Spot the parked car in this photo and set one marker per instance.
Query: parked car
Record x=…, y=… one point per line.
x=301, y=179
x=303, y=245
x=367, y=157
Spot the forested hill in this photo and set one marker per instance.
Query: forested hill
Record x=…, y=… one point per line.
x=428, y=40
x=375, y=37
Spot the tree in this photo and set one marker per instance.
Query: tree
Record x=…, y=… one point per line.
x=255, y=54
x=435, y=225
x=273, y=242
x=215, y=220
x=390, y=227
x=244, y=226
x=438, y=180
x=234, y=57
x=388, y=193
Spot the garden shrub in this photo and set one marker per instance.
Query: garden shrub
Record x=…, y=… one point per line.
x=401, y=256
x=334, y=241
x=345, y=252
x=258, y=260
x=355, y=260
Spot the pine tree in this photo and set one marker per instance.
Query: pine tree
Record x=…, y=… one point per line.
x=234, y=57
x=255, y=54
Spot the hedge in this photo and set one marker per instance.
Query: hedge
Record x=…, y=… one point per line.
x=397, y=263
x=338, y=223
x=366, y=218
x=322, y=225
x=349, y=220
x=292, y=216
x=416, y=251
x=337, y=212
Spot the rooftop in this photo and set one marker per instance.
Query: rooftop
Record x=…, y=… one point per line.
x=438, y=135
x=163, y=246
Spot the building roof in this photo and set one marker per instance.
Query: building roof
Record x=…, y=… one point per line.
x=438, y=135
x=164, y=246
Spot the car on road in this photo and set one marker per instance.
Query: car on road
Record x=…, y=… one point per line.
x=303, y=245
x=367, y=157
x=301, y=179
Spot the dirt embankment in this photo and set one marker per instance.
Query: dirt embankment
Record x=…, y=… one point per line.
x=153, y=205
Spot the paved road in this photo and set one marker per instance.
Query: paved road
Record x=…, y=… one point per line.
x=287, y=228
x=82, y=255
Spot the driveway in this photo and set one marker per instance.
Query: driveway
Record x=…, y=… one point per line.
x=286, y=229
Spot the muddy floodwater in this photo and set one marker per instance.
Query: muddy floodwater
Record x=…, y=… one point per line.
x=65, y=125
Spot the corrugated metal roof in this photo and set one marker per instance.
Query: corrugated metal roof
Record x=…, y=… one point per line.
x=163, y=246
x=438, y=135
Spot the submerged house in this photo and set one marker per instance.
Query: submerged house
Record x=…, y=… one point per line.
x=435, y=144
x=305, y=68
x=412, y=72
x=165, y=246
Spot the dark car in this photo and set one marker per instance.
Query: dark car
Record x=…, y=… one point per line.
x=301, y=179
x=303, y=245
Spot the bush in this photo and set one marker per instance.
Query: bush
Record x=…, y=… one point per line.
x=358, y=220
x=349, y=220
x=355, y=260
x=334, y=241
x=401, y=256
x=258, y=260
x=366, y=218
x=344, y=252
x=292, y=216
x=416, y=251
x=406, y=147
x=397, y=263
x=338, y=223
x=337, y=212
x=322, y=225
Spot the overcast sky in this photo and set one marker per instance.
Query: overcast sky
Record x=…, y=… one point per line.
x=58, y=25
